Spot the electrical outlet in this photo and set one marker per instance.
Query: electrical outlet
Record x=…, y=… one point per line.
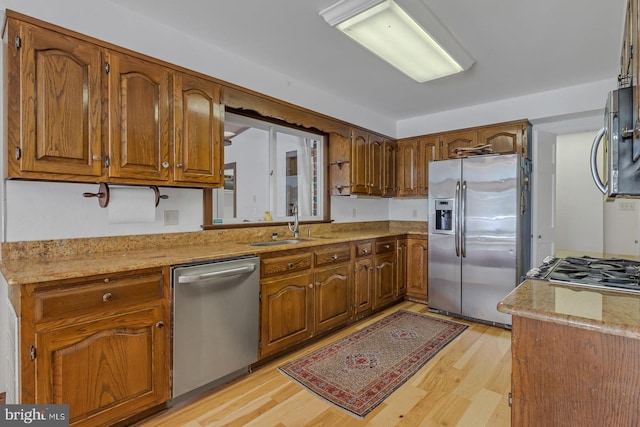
x=171, y=217
x=353, y=213
x=627, y=205
x=414, y=213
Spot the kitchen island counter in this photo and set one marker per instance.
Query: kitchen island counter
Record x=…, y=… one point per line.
x=575, y=355
x=596, y=309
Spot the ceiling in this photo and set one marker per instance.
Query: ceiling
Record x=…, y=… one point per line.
x=520, y=47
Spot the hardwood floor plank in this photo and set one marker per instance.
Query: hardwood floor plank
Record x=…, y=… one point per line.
x=465, y=384
x=481, y=409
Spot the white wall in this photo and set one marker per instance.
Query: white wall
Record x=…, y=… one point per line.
x=579, y=204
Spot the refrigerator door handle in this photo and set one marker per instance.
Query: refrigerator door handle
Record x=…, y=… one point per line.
x=463, y=217
x=457, y=225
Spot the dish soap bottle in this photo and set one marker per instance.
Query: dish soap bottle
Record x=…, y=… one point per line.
x=267, y=216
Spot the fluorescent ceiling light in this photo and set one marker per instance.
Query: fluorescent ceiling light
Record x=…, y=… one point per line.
x=404, y=33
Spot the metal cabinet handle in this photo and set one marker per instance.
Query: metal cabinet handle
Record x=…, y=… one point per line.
x=602, y=186
x=165, y=165
x=107, y=297
x=387, y=246
x=310, y=285
x=160, y=325
x=290, y=265
x=335, y=256
x=365, y=251
x=179, y=165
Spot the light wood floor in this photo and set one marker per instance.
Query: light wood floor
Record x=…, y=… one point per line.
x=465, y=384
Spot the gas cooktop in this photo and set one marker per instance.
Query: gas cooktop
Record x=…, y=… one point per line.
x=614, y=273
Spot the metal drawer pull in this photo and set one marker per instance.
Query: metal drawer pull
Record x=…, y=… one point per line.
x=290, y=265
x=107, y=297
x=160, y=325
x=365, y=251
x=335, y=256
x=387, y=246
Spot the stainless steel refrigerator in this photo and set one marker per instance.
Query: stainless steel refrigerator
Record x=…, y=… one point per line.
x=479, y=233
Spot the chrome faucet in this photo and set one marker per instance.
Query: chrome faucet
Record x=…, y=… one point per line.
x=296, y=224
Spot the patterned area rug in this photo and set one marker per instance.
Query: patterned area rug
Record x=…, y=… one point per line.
x=361, y=370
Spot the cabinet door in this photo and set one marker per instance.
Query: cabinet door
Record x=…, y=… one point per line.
x=389, y=185
x=105, y=370
x=375, y=166
x=401, y=268
x=332, y=295
x=286, y=312
x=407, y=167
x=453, y=140
x=427, y=151
x=417, y=258
x=198, y=130
x=504, y=139
x=363, y=285
x=139, y=94
x=384, y=279
x=339, y=164
x=54, y=105
x=359, y=162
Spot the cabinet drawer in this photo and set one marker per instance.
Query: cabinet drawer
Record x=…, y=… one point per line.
x=97, y=295
x=333, y=254
x=364, y=249
x=385, y=246
x=285, y=264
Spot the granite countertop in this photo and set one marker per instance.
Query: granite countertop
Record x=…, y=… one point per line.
x=52, y=261
x=609, y=311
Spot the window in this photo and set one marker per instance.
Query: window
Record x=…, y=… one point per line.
x=275, y=167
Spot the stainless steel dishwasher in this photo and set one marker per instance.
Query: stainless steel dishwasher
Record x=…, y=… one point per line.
x=215, y=322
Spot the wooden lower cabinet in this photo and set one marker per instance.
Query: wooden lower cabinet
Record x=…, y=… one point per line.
x=306, y=292
x=101, y=345
x=104, y=370
x=296, y=306
x=286, y=316
x=362, y=278
x=401, y=268
x=332, y=297
x=417, y=269
x=569, y=376
x=384, y=272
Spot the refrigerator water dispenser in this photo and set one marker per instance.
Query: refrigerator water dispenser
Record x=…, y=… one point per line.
x=444, y=216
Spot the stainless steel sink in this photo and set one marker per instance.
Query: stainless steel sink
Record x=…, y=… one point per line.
x=278, y=242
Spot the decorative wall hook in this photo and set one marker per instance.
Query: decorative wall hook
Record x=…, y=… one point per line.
x=102, y=195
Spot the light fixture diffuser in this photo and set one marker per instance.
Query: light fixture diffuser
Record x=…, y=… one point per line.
x=405, y=34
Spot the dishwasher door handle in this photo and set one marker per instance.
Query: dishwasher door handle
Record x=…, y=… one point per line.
x=222, y=273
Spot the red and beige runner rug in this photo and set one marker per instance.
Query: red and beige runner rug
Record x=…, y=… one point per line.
x=359, y=371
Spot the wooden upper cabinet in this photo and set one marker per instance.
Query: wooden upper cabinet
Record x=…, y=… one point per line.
x=414, y=155
x=458, y=139
x=390, y=172
x=428, y=150
x=407, y=164
x=375, y=165
x=359, y=162
x=139, y=93
x=54, y=104
x=198, y=130
x=505, y=139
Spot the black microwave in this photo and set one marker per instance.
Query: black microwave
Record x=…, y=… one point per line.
x=621, y=175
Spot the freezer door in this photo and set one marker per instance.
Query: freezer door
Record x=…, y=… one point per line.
x=490, y=200
x=444, y=264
